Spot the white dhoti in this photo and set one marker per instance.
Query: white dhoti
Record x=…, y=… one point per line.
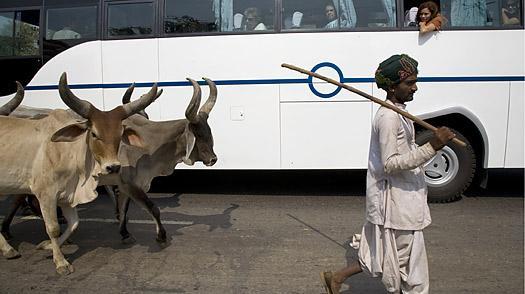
x=397, y=256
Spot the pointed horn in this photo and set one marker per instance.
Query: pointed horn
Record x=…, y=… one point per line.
x=193, y=107
x=78, y=105
x=127, y=96
x=208, y=105
x=14, y=102
x=141, y=103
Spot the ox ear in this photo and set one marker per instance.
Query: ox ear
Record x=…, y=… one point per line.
x=70, y=132
x=130, y=137
x=190, y=143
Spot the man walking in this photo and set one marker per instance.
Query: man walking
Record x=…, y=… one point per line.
x=392, y=245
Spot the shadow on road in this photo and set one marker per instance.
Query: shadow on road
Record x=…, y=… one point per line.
x=501, y=183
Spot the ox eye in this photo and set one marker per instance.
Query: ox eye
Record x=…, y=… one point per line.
x=94, y=136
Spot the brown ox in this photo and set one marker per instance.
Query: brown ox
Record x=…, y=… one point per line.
x=59, y=159
x=165, y=144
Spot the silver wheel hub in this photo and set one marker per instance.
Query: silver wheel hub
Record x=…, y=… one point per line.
x=442, y=168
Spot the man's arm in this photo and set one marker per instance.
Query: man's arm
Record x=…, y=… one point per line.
x=392, y=159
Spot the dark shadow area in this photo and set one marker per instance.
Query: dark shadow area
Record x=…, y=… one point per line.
x=103, y=232
x=501, y=183
x=263, y=182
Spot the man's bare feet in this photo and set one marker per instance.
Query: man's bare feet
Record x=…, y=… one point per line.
x=330, y=284
x=335, y=284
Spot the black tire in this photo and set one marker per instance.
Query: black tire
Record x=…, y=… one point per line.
x=451, y=171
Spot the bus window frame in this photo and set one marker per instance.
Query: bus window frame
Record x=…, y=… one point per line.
x=98, y=20
x=162, y=34
x=40, y=35
x=105, y=23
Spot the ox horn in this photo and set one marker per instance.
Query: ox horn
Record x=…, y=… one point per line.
x=14, y=102
x=141, y=103
x=208, y=105
x=193, y=107
x=82, y=107
x=127, y=96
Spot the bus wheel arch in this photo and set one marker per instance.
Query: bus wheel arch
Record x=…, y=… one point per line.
x=455, y=168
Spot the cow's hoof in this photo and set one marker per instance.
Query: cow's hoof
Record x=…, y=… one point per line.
x=11, y=254
x=65, y=270
x=161, y=238
x=7, y=235
x=44, y=245
x=128, y=240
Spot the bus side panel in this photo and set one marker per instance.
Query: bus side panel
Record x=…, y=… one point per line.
x=83, y=65
x=126, y=62
x=472, y=96
x=302, y=93
x=515, y=137
x=244, y=123
x=318, y=135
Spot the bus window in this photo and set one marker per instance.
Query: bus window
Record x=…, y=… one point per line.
x=19, y=33
x=71, y=23
x=375, y=13
x=130, y=19
x=318, y=14
x=252, y=15
x=189, y=16
x=467, y=13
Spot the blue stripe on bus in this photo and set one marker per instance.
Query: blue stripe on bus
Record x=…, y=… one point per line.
x=277, y=81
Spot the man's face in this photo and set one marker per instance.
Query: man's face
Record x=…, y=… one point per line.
x=404, y=91
x=329, y=11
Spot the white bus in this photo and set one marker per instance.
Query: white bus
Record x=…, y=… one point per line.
x=471, y=74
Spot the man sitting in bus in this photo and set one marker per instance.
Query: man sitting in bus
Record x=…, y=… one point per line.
x=252, y=20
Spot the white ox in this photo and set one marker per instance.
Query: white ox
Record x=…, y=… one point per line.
x=60, y=159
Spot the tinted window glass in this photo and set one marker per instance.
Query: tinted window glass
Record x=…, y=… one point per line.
x=337, y=14
x=471, y=13
x=19, y=31
x=130, y=19
x=182, y=16
x=71, y=23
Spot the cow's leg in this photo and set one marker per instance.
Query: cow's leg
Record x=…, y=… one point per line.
x=113, y=193
x=123, y=219
x=141, y=198
x=71, y=215
x=8, y=251
x=48, y=206
x=6, y=223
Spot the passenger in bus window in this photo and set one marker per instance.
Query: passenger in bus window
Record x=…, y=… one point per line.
x=510, y=12
x=252, y=20
x=331, y=17
x=391, y=244
x=429, y=18
x=345, y=20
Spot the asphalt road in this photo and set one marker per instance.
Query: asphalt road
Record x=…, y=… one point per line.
x=258, y=233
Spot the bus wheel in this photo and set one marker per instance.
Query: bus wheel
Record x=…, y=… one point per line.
x=450, y=172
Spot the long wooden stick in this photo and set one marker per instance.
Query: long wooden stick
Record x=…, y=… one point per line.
x=370, y=97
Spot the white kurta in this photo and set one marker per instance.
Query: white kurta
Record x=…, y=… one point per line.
x=392, y=244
